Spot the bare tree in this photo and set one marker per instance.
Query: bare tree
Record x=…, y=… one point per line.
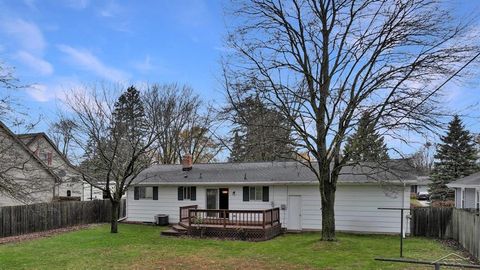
x=61, y=133
x=115, y=151
x=185, y=125
x=423, y=159
x=323, y=63
x=23, y=177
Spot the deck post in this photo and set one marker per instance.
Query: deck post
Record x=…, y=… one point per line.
x=189, y=217
x=224, y=218
x=263, y=219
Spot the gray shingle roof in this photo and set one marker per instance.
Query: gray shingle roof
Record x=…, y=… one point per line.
x=472, y=180
x=270, y=172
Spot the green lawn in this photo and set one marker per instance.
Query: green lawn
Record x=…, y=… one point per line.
x=142, y=247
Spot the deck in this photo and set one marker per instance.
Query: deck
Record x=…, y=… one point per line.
x=250, y=225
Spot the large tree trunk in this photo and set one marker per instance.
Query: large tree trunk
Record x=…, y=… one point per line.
x=114, y=220
x=328, y=213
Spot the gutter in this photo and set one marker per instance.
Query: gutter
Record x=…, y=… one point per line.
x=397, y=183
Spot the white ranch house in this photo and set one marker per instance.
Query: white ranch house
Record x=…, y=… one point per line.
x=288, y=187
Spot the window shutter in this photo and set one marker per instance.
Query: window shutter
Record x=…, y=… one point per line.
x=246, y=193
x=265, y=194
x=136, y=193
x=155, y=193
x=193, y=193
x=180, y=193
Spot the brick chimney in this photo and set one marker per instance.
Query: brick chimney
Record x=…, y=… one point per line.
x=187, y=162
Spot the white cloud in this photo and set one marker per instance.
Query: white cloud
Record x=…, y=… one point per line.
x=77, y=4
x=30, y=43
x=111, y=9
x=27, y=34
x=86, y=60
x=145, y=65
x=39, y=92
x=35, y=63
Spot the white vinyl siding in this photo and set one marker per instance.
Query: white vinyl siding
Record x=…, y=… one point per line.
x=356, y=207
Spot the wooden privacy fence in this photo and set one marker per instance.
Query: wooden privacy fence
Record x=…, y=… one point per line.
x=430, y=221
x=22, y=219
x=462, y=225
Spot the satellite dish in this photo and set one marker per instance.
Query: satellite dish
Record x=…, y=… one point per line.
x=61, y=173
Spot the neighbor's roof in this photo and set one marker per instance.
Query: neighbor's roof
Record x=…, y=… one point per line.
x=472, y=180
x=281, y=172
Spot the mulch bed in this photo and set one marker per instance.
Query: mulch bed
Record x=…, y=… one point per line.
x=44, y=234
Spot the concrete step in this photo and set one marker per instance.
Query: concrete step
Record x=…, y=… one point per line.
x=172, y=232
x=179, y=228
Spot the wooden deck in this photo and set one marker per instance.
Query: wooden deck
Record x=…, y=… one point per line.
x=250, y=225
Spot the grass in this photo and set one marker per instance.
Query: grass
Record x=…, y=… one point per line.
x=142, y=247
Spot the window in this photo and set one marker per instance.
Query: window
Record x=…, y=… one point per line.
x=256, y=193
x=187, y=193
x=463, y=198
x=47, y=158
x=69, y=193
x=145, y=193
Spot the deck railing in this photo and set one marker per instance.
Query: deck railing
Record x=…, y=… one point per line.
x=233, y=218
x=184, y=212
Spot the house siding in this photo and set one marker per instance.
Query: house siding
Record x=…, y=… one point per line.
x=23, y=169
x=356, y=206
x=72, y=179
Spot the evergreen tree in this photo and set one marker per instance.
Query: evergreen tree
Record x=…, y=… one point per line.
x=129, y=115
x=366, y=144
x=456, y=157
x=261, y=133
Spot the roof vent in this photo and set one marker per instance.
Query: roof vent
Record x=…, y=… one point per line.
x=187, y=162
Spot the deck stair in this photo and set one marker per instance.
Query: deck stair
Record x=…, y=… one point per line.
x=175, y=230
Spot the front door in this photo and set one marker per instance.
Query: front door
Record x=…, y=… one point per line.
x=294, y=209
x=212, y=200
x=223, y=201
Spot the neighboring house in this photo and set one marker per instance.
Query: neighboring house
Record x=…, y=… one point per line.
x=22, y=172
x=361, y=190
x=467, y=191
x=70, y=184
x=421, y=185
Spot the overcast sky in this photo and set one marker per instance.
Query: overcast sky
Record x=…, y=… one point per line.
x=58, y=45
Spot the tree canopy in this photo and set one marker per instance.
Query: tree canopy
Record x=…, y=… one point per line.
x=456, y=157
x=366, y=144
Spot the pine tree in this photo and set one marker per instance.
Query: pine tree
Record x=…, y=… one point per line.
x=129, y=115
x=366, y=144
x=261, y=133
x=456, y=157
